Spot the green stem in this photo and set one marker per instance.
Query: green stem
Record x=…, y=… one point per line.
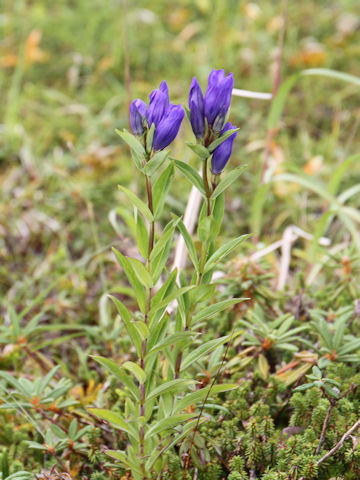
x=201, y=264
x=143, y=345
x=207, y=187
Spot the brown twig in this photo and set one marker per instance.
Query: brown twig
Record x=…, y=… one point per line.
x=333, y=401
x=340, y=443
x=325, y=424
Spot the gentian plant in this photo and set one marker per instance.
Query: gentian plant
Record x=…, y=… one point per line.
x=158, y=382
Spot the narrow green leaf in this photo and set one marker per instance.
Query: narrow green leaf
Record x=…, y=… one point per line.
x=192, y=175
x=125, y=460
x=160, y=190
x=223, y=251
x=144, y=209
x=150, y=138
x=170, y=387
x=137, y=371
x=168, y=424
x=167, y=300
x=156, y=162
x=195, y=397
x=212, y=310
x=126, y=317
x=203, y=350
x=306, y=182
x=189, y=243
x=222, y=139
x=278, y=103
x=116, y=370
x=140, y=271
x=141, y=234
x=199, y=150
x=167, y=234
x=133, y=279
x=228, y=180
x=171, y=340
x=115, y=420
x=132, y=141
x=338, y=175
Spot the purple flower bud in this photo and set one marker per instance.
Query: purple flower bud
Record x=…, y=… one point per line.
x=137, y=115
x=223, y=152
x=167, y=129
x=157, y=106
x=196, y=105
x=165, y=89
x=218, y=98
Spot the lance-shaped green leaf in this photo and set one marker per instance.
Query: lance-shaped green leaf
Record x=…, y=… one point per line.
x=136, y=370
x=189, y=243
x=168, y=424
x=115, y=369
x=133, y=279
x=167, y=300
x=156, y=162
x=212, y=310
x=166, y=235
x=115, y=420
x=170, y=387
x=130, y=327
x=132, y=141
x=222, y=139
x=192, y=175
x=228, y=180
x=144, y=209
x=142, y=329
x=199, y=150
x=198, y=396
x=172, y=340
x=202, y=350
x=223, y=251
x=150, y=138
x=141, y=234
x=161, y=188
x=140, y=271
x=208, y=229
x=176, y=438
x=124, y=460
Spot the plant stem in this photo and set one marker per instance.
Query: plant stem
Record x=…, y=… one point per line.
x=340, y=443
x=187, y=461
x=207, y=187
x=143, y=345
x=201, y=263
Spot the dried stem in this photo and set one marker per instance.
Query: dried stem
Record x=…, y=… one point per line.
x=325, y=424
x=340, y=443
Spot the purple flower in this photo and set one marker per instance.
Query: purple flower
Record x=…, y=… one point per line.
x=157, y=106
x=137, y=115
x=218, y=98
x=196, y=105
x=167, y=129
x=223, y=152
x=165, y=116
x=165, y=89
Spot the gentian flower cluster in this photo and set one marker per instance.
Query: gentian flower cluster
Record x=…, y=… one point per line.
x=208, y=115
x=165, y=116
